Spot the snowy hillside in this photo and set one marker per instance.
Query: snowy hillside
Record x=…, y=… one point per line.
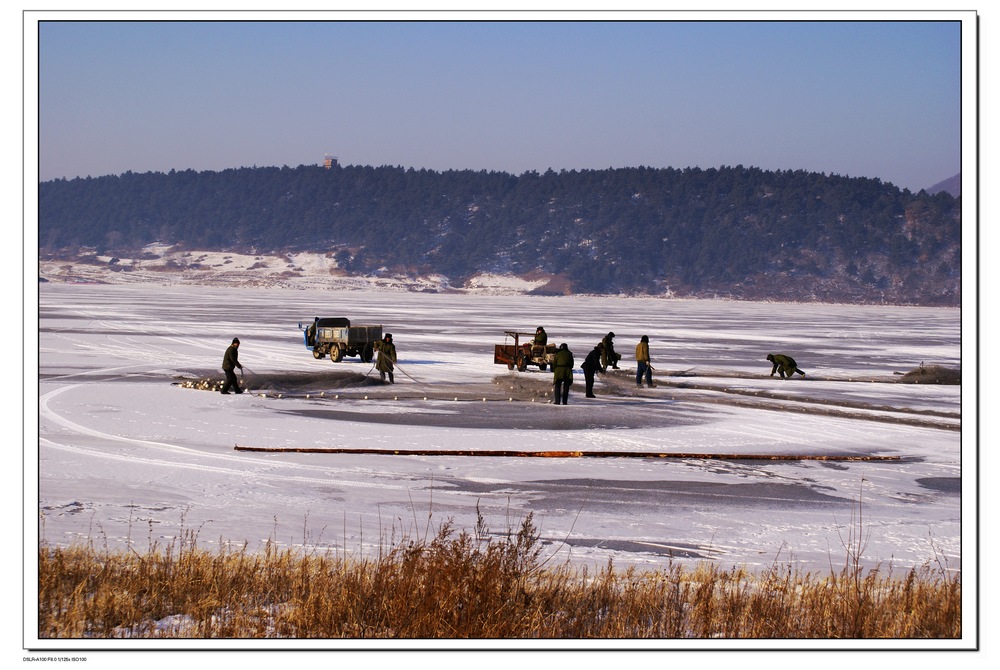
x=163, y=264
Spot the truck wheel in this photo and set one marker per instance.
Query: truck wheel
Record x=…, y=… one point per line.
x=368, y=354
x=317, y=354
x=541, y=366
x=337, y=355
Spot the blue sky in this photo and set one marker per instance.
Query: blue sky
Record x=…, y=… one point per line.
x=856, y=98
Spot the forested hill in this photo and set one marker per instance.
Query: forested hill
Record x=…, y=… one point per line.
x=732, y=231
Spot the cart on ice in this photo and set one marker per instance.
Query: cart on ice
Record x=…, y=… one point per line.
x=517, y=354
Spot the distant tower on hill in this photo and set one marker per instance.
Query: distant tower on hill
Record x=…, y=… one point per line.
x=329, y=161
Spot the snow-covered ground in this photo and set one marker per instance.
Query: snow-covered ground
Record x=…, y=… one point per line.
x=131, y=451
x=160, y=263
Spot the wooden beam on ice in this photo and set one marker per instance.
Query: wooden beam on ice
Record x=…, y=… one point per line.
x=565, y=454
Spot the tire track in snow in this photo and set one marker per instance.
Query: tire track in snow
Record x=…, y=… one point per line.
x=858, y=411
x=89, y=373
x=244, y=474
x=44, y=410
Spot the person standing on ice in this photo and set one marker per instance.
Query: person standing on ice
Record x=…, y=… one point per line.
x=386, y=362
x=562, y=373
x=591, y=365
x=230, y=362
x=783, y=365
x=644, y=366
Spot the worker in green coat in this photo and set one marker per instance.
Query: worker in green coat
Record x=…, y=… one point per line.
x=562, y=373
x=386, y=362
x=783, y=365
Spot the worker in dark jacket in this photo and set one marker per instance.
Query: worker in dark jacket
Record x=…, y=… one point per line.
x=609, y=357
x=562, y=373
x=591, y=365
x=311, y=332
x=783, y=365
x=230, y=362
x=386, y=362
x=538, y=343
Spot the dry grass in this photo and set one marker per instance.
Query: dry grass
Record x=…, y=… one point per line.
x=471, y=586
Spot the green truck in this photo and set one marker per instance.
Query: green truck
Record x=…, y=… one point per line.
x=336, y=337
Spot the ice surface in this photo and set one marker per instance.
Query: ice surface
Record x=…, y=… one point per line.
x=130, y=452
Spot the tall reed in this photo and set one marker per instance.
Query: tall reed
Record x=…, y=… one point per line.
x=476, y=585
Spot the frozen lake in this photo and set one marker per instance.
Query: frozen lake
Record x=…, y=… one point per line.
x=129, y=452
